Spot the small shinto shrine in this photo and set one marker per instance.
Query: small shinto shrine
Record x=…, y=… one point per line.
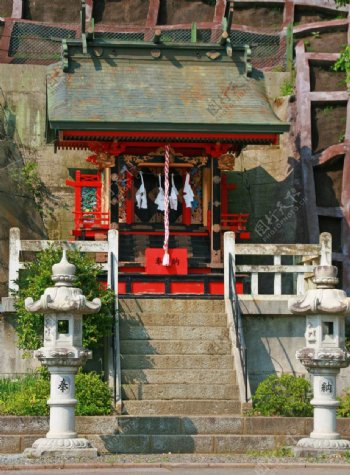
x=131, y=104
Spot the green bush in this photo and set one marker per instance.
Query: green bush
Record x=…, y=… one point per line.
x=283, y=396
x=36, y=277
x=344, y=407
x=93, y=394
x=24, y=397
x=28, y=396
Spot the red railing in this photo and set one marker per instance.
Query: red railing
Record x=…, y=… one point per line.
x=91, y=220
x=236, y=222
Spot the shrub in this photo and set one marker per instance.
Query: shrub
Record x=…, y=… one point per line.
x=344, y=407
x=93, y=394
x=24, y=397
x=36, y=277
x=28, y=396
x=283, y=396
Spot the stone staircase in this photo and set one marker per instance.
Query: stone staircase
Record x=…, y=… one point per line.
x=178, y=380
x=175, y=358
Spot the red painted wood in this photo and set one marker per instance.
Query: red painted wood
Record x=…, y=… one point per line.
x=225, y=188
x=186, y=212
x=148, y=288
x=178, y=262
x=239, y=288
x=216, y=288
x=245, y=235
x=177, y=135
x=199, y=270
x=129, y=204
x=193, y=288
x=121, y=288
x=131, y=270
x=161, y=233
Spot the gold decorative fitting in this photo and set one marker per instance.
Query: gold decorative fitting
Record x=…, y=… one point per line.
x=216, y=228
x=227, y=161
x=103, y=160
x=178, y=158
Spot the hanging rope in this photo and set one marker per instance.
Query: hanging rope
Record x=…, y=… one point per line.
x=166, y=257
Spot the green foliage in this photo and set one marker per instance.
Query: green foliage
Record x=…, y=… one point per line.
x=343, y=64
x=28, y=181
x=93, y=395
x=36, y=277
x=24, y=397
x=278, y=452
x=287, y=87
x=344, y=407
x=28, y=396
x=287, y=396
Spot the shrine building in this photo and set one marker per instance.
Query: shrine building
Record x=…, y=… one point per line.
x=126, y=104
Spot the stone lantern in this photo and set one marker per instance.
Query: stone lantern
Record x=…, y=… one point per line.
x=324, y=355
x=63, y=307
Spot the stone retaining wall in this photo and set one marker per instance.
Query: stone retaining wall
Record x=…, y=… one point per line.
x=208, y=434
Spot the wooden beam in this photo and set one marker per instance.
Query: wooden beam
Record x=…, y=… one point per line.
x=161, y=165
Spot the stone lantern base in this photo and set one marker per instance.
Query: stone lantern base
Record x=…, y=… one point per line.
x=77, y=447
x=309, y=447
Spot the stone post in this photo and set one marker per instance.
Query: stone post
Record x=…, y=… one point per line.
x=63, y=307
x=324, y=355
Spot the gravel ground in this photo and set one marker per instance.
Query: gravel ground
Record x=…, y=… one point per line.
x=208, y=459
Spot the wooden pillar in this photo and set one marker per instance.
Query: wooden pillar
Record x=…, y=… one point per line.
x=206, y=183
x=186, y=212
x=215, y=213
x=106, y=190
x=304, y=131
x=129, y=203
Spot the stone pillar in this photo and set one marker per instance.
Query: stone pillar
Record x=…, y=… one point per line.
x=63, y=307
x=324, y=355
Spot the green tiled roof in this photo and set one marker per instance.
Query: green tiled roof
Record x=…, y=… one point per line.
x=158, y=95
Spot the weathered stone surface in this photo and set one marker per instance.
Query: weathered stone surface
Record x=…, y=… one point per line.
x=23, y=425
x=126, y=445
x=179, y=391
x=179, y=306
x=171, y=319
x=181, y=407
x=172, y=376
x=10, y=444
x=178, y=347
x=275, y=425
x=149, y=425
x=242, y=443
x=182, y=444
x=212, y=425
x=96, y=424
x=133, y=332
x=177, y=361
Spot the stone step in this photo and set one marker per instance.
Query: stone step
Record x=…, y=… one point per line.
x=173, y=319
x=180, y=306
x=178, y=376
x=195, y=425
x=180, y=391
x=176, y=361
x=176, y=347
x=135, y=332
x=185, y=444
x=180, y=407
